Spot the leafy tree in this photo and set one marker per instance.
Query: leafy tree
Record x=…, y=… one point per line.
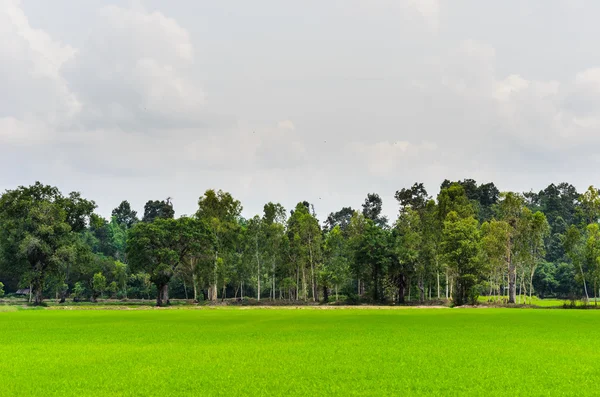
x=98, y=286
x=158, y=248
x=372, y=208
x=158, y=210
x=341, y=218
x=574, y=247
x=415, y=197
x=336, y=269
x=124, y=215
x=305, y=237
x=373, y=253
x=120, y=276
x=590, y=205
x=494, y=246
x=79, y=291
x=461, y=246
x=510, y=210
x=38, y=228
x=1, y=289
x=220, y=212
x=407, y=249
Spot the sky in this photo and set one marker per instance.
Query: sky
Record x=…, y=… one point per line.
x=284, y=101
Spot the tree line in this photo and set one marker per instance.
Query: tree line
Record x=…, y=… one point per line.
x=467, y=241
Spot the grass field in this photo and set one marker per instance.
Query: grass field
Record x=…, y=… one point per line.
x=300, y=352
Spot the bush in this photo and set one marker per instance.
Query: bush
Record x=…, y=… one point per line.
x=1, y=289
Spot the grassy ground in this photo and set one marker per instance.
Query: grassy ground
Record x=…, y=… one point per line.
x=305, y=352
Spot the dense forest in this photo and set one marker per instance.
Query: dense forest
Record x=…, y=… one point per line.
x=470, y=240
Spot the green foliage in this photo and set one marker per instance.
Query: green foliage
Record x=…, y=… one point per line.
x=155, y=209
x=1, y=289
x=461, y=246
x=124, y=215
x=37, y=231
x=98, y=285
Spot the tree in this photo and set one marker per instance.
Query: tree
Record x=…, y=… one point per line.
x=38, y=228
x=495, y=245
x=461, y=246
x=336, y=268
x=510, y=210
x=574, y=248
x=533, y=230
x=415, y=197
x=590, y=205
x=124, y=215
x=372, y=208
x=407, y=249
x=158, y=248
x=98, y=286
x=220, y=212
x=305, y=237
x=1, y=289
x=158, y=210
x=341, y=218
x=121, y=277
x=373, y=253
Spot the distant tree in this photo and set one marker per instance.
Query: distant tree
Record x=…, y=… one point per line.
x=510, y=210
x=373, y=253
x=1, y=289
x=124, y=215
x=372, y=208
x=98, y=286
x=220, y=212
x=38, y=227
x=341, y=218
x=336, y=269
x=159, y=247
x=415, y=197
x=79, y=291
x=305, y=237
x=158, y=209
x=408, y=237
x=461, y=246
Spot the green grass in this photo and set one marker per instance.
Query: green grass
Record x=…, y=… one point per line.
x=299, y=352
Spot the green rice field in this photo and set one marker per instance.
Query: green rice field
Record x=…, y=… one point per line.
x=299, y=352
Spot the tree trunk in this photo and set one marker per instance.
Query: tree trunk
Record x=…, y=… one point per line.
x=447, y=286
x=162, y=298
x=438, y=285
x=421, y=289
x=325, y=294
x=401, y=288
x=512, y=280
x=213, y=287
x=312, y=270
x=38, y=286
x=63, y=296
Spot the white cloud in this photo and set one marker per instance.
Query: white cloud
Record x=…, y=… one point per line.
x=136, y=71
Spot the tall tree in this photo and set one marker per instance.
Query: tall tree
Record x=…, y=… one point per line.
x=373, y=253
x=372, y=208
x=461, y=245
x=38, y=227
x=158, y=210
x=221, y=212
x=510, y=210
x=159, y=247
x=124, y=215
x=341, y=218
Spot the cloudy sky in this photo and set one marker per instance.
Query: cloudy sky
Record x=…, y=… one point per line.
x=318, y=100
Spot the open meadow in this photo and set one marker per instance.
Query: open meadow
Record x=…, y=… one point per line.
x=233, y=351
